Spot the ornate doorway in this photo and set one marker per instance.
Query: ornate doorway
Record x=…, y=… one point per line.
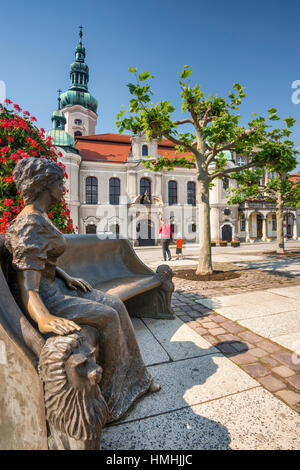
x=259, y=222
x=146, y=233
x=227, y=233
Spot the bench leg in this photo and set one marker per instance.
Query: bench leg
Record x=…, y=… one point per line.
x=151, y=304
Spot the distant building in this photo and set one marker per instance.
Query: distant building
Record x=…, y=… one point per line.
x=110, y=191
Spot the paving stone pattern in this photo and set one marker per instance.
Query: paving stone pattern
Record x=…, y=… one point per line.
x=251, y=279
x=267, y=362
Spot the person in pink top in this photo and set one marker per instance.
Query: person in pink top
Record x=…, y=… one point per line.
x=166, y=236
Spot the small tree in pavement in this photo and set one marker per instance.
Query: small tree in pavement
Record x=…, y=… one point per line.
x=216, y=127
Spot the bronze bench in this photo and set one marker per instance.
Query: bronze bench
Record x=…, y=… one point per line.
x=112, y=266
x=109, y=265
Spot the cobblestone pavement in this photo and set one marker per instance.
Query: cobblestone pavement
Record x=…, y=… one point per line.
x=267, y=362
x=250, y=280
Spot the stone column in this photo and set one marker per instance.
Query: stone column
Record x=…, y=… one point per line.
x=247, y=234
x=158, y=186
x=295, y=228
x=214, y=224
x=264, y=229
x=132, y=185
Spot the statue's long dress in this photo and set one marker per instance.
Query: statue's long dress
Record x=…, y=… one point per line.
x=35, y=244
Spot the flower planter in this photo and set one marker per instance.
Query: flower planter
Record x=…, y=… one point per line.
x=235, y=244
x=223, y=243
x=252, y=239
x=213, y=244
x=269, y=239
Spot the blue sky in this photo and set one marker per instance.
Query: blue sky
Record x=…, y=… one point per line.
x=254, y=43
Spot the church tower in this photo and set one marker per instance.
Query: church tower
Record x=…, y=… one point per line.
x=65, y=143
x=77, y=104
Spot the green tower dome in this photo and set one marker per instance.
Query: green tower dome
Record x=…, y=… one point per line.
x=79, y=76
x=85, y=99
x=60, y=137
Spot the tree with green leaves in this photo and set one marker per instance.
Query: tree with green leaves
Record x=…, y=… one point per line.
x=258, y=185
x=216, y=128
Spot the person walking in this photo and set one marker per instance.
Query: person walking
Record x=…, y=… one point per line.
x=179, y=244
x=166, y=236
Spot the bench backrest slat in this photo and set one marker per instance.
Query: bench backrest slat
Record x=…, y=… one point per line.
x=97, y=260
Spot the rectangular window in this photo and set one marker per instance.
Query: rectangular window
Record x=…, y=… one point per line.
x=274, y=224
x=172, y=189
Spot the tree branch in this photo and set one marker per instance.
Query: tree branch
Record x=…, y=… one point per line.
x=235, y=169
x=212, y=156
x=231, y=145
x=205, y=119
x=181, y=143
x=183, y=121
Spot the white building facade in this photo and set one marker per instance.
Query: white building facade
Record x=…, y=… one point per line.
x=110, y=192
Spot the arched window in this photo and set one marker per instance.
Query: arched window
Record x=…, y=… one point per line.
x=192, y=228
x=225, y=183
x=191, y=193
x=145, y=186
x=91, y=228
x=77, y=133
x=91, y=190
x=115, y=230
x=114, y=191
x=172, y=192
x=144, y=150
x=78, y=122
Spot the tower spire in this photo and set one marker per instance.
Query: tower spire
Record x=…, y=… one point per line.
x=78, y=92
x=59, y=92
x=79, y=72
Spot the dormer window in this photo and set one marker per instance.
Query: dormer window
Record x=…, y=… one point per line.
x=78, y=122
x=240, y=161
x=145, y=150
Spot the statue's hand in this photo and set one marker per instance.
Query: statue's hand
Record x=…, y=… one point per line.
x=73, y=283
x=60, y=326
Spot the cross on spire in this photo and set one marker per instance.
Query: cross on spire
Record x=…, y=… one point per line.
x=59, y=92
x=80, y=32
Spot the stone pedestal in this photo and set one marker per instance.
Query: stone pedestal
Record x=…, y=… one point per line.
x=22, y=417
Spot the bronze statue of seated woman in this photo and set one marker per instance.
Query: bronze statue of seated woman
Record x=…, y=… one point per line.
x=62, y=305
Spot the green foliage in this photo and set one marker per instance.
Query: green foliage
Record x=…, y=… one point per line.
x=20, y=138
x=217, y=127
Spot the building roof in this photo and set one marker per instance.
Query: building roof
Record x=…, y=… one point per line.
x=115, y=147
x=103, y=150
x=295, y=177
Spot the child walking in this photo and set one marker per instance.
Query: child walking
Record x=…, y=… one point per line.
x=179, y=244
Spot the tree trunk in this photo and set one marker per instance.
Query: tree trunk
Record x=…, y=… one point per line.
x=205, y=262
x=279, y=223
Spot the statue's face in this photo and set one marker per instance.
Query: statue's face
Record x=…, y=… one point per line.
x=81, y=368
x=57, y=191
